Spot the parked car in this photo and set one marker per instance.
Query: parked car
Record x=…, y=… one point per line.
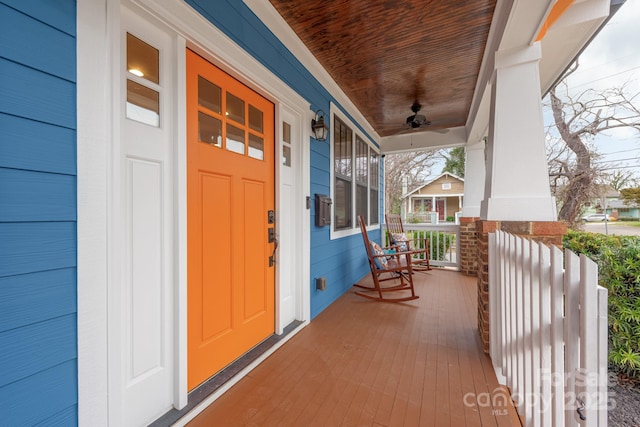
x=596, y=218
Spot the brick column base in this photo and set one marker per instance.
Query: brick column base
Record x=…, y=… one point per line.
x=547, y=232
x=468, y=246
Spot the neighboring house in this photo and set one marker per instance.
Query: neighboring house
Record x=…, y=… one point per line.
x=158, y=174
x=621, y=210
x=612, y=203
x=444, y=195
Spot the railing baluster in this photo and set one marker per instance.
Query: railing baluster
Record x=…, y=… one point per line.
x=504, y=301
x=494, y=292
x=571, y=333
x=534, y=333
x=520, y=332
x=525, y=293
x=557, y=374
x=603, y=353
x=513, y=321
x=544, y=292
x=587, y=385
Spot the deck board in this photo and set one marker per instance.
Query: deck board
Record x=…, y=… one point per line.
x=366, y=363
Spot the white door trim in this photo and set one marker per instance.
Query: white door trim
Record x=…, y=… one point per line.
x=94, y=131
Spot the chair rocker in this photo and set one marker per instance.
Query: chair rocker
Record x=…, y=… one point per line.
x=386, y=266
x=397, y=237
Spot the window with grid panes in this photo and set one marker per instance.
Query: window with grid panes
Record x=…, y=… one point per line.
x=356, y=178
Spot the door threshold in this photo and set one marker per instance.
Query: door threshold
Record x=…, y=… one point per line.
x=219, y=380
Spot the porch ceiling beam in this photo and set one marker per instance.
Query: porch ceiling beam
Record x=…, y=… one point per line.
x=412, y=141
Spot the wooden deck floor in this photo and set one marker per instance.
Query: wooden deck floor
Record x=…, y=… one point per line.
x=366, y=363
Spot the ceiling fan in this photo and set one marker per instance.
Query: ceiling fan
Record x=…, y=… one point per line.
x=417, y=120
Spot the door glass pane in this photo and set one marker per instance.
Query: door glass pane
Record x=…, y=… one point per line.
x=255, y=119
x=209, y=95
x=286, y=155
x=235, y=139
x=143, y=104
x=143, y=59
x=286, y=132
x=235, y=108
x=209, y=129
x=256, y=147
x=286, y=149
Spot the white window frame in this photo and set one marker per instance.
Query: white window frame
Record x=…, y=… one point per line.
x=355, y=228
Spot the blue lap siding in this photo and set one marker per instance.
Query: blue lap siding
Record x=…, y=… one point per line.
x=38, y=326
x=38, y=208
x=341, y=261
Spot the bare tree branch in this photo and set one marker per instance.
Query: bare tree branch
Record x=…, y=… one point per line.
x=414, y=167
x=578, y=119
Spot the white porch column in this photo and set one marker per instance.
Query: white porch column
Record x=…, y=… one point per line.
x=517, y=183
x=474, y=179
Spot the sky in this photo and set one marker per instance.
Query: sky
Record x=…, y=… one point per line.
x=612, y=59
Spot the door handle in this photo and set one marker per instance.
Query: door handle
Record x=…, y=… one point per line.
x=271, y=219
x=272, y=258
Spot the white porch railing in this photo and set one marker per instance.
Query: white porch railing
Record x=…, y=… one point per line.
x=422, y=217
x=444, y=247
x=548, y=332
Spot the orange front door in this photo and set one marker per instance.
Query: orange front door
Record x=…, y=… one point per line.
x=230, y=189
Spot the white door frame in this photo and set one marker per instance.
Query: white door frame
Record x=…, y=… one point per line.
x=292, y=222
x=98, y=47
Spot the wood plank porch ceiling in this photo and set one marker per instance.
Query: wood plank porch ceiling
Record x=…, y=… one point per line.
x=386, y=54
x=368, y=363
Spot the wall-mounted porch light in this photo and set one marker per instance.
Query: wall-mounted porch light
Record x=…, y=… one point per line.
x=319, y=127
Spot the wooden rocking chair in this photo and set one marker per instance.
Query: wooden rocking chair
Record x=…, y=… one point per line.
x=393, y=265
x=397, y=237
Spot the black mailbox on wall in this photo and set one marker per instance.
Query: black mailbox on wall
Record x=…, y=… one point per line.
x=323, y=210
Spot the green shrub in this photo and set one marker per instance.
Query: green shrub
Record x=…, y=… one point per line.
x=590, y=244
x=618, y=259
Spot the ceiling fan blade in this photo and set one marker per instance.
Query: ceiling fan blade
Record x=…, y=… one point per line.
x=442, y=131
x=417, y=129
